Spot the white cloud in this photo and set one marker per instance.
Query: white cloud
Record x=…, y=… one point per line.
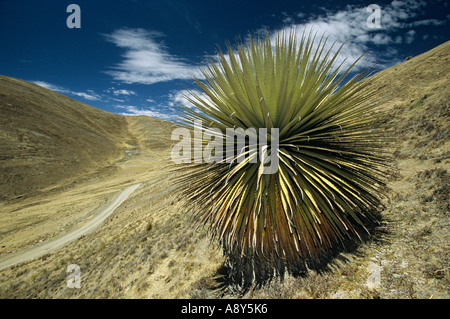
x=409, y=36
x=350, y=26
x=135, y=111
x=431, y=22
x=50, y=86
x=178, y=98
x=123, y=92
x=147, y=60
x=89, y=95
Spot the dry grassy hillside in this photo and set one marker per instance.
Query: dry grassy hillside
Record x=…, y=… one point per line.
x=409, y=256
x=46, y=138
x=148, y=248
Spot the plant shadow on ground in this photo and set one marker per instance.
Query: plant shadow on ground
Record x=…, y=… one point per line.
x=375, y=233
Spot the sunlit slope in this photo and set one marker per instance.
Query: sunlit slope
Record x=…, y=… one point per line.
x=419, y=75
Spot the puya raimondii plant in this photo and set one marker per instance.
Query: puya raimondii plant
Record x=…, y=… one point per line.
x=330, y=157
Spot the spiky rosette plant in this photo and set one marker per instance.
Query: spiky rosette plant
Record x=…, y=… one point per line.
x=330, y=154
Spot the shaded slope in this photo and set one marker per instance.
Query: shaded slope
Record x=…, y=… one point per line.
x=46, y=137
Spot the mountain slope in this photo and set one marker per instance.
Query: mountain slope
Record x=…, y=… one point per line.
x=410, y=256
x=417, y=76
x=46, y=138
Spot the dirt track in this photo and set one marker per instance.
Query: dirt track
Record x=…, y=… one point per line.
x=55, y=244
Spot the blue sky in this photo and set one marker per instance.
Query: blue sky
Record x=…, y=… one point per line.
x=137, y=57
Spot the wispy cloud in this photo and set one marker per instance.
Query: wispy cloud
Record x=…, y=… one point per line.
x=88, y=95
x=350, y=26
x=49, y=86
x=409, y=36
x=136, y=111
x=146, y=60
x=178, y=98
x=163, y=110
x=121, y=92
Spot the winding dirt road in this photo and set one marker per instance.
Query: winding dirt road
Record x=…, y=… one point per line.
x=55, y=244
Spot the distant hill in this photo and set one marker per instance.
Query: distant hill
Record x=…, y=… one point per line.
x=46, y=137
